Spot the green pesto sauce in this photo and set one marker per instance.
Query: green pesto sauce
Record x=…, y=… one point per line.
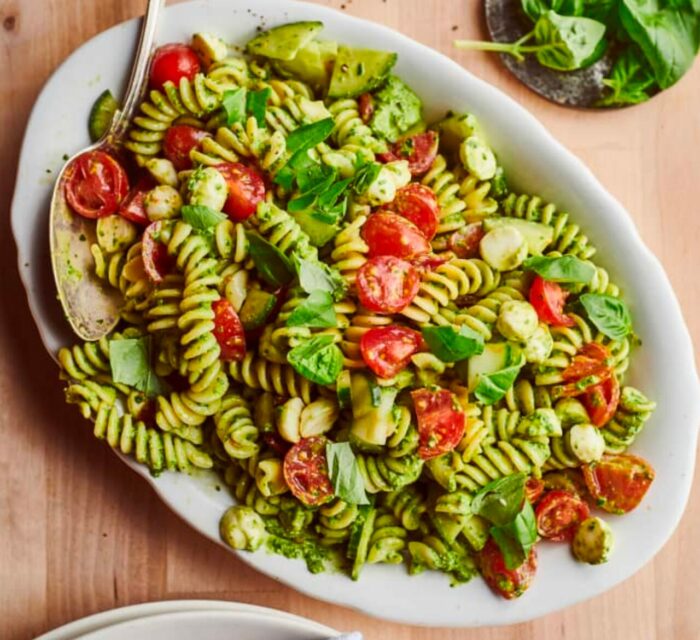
x=396, y=109
x=301, y=546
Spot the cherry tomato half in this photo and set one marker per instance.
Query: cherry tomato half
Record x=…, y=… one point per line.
x=155, y=256
x=465, y=242
x=132, y=207
x=387, y=350
x=228, y=331
x=420, y=151
x=588, y=368
x=618, y=482
x=306, y=471
x=418, y=203
x=95, y=184
x=534, y=488
x=365, y=105
x=386, y=284
x=441, y=421
x=601, y=401
x=179, y=140
x=387, y=234
x=548, y=298
x=429, y=261
x=509, y=583
x=171, y=62
x=245, y=190
x=558, y=515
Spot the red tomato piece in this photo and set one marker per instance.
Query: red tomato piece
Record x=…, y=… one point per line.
x=386, y=284
x=590, y=360
x=155, y=256
x=441, y=422
x=418, y=203
x=420, y=151
x=465, y=242
x=601, y=401
x=534, y=488
x=558, y=515
x=178, y=141
x=228, y=331
x=132, y=207
x=509, y=583
x=306, y=471
x=618, y=482
x=366, y=107
x=387, y=234
x=95, y=184
x=548, y=298
x=171, y=62
x=387, y=350
x=245, y=190
x=428, y=261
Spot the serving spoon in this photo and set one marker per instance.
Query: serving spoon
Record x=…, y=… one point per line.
x=90, y=306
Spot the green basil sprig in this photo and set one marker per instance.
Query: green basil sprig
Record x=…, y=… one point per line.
x=272, y=265
x=608, y=314
x=234, y=103
x=315, y=312
x=317, y=276
x=317, y=359
x=562, y=269
x=130, y=362
x=345, y=473
x=451, y=344
x=492, y=387
x=200, y=217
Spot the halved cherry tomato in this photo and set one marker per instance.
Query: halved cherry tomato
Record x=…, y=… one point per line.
x=429, y=261
x=465, y=242
x=228, y=331
x=366, y=107
x=132, y=207
x=418, y=203
x=618, y=482
x=245, y=190
x=386, y=284
x=601, y=401
x=387, y=350
x=156, y=260
x=95, y=184
x=558, y=515
x=570, y=480
x=171, y=62
x=387, y=234
x=179, y=140
x=420, y=151
x=441, y=422
x=534, y=487
x=588, y=368
x=306, y=471
x=548, y=298
x=509, y=583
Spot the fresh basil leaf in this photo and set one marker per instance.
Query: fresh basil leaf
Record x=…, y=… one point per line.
x=317, y=359
x=316, y=276
x=234, y=104
x=130, y=362
x=500, y=500
x=516, y=539
x=599, y=10
x=200, y=217
x=451, y=344
x=315, y=312
x=535, y=8
x=256, y=104
x=272, y=265
x=309, y=135
x=630, y=79
x=365, y=176
x=329, y=197
x=345, y=473
x=608, y=314
x=562, y=269
x=566, y=43
x=301, y=203
x=298, y=164
x=491, y=387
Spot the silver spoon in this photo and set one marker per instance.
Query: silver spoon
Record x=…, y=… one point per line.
x=91, y=307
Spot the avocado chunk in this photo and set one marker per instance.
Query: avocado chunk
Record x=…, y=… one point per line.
x=310, y=65
x=256, y=309
x=357, y=71
x=396, y=109
x=318, y=230
x=285, y=41
x=537, y=236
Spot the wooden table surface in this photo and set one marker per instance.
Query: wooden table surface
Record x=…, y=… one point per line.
x=80, y=533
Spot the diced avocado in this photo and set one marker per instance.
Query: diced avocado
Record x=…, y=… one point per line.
x=586, y=442
x=454, y=129
x=360, y=535
x=396, y=109
x=115, y=233
x=539, y=345
x=256, y=309
x=537, y=236
x=476, y=531
x=494, y=357
x=342, y=388
x=372, y=409
x=307, y=66
x=571, y=412
x=593, y=541
x=357, y=71
x=541, y=423
x=503, y=248
x=517, y=320
x=319, y=231
x=209, y=48
x=101, y=114
x=477, y=158
x=285, y=41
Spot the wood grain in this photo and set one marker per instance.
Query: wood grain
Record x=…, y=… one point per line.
x=80, y=533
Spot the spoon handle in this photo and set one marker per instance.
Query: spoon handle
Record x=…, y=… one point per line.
x=139, y=72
